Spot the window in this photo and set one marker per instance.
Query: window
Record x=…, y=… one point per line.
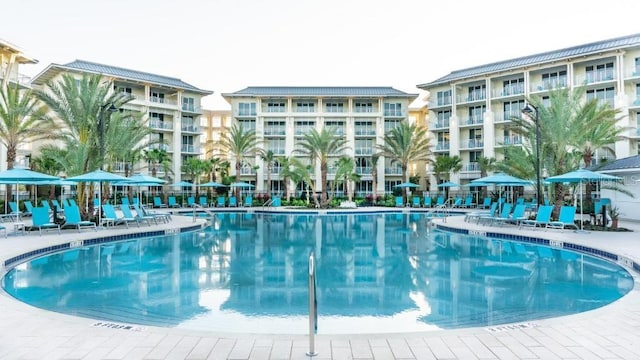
x=304, y=106
x=304, y=126
x=392, y=109
x=247, y=109
x=277, y=146
x=477, y=92
x=604, y=95
x=513, y=86
x=337, y=126
x=276, y=106
x=597, y=73
x=156, y=97
x=364, y=146
x=512, y=109
x=443, y=119
x=476, y=115
x=364, y=128
x=334, y=107
x=188, y=104
x=554, y=79
x=274, y=128
x=363, y=107
x=390, y=125
x=247, y=125
x=122, y=89
x=443, y=98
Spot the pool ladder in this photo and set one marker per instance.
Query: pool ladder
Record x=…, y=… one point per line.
x=198, y=206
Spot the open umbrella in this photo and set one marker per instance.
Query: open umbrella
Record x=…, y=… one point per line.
x=447, y=184
x=140, y=180
x=19, y=176
x=183, y=184
x=214, y=184
x=500, y=179
x=407, y=185
x=581, y=176
x=98, y=176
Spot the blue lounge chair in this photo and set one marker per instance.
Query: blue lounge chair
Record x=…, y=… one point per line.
x=468, y=202
x=55, y=203
x=191, y=201
x=543, y=217
x=172, y=202
x=276, y=202
x=143, y=212
x=457, y=203
x=427, y=201
x=128, y=216
x=248, y=201
x=72, y=202
x=15, y=212
x=124, y=202
x=504, y=214
x=476, y=215
x=41, y=220
x=73, y=219
x=399, y=201
x=221, y=201
x=233, y=202
x=566, y=219
x=415, y=201
x=515, y=217
x=111, y=218
x=440, y=201
x=157, y=202
x=28, y=207
x=203, y=201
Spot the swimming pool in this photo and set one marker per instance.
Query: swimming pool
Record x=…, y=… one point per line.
x=377, y=273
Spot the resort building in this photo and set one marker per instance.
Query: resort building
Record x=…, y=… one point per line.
x=11, y=58
x=470, y=108
x=213, y=124
x=172, y=107
x=282, y=115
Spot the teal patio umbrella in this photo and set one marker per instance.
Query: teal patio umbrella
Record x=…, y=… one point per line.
x=99, y=176
x=19, y=176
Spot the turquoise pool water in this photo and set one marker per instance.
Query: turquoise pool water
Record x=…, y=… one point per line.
x=376, y=273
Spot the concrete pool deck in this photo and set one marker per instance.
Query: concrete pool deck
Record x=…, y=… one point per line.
x=610, y=332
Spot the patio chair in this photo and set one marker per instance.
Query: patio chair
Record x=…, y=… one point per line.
x=440, y=201
x=515, y=217
x=468, y=202
x=233, y=201
x=566, y=219
x=248, y=201
x=221, y=201
x=110, y=217
x=14, y=210
x=203, y=201
x=124, y=202
x=164, y=217
x=191, y=201
x=457, y=202
x=476, y=215
x=276, y=201
x=486, y=203
x=543, y=217
x=157, y=202
x=72, y=202
x=128, y=216
x=172, y=202
x=399, y=201
x=28, y=206
x=73, y=219
x=55, y=203
x=41, y=220
x=504, y=214
x=427, y=201
x=415, y=201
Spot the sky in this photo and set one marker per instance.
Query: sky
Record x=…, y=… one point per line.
x=227, y=45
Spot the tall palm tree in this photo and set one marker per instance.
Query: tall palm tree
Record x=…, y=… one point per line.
x=239, y=144
x=444, y=166
x=406, y=143
x=318, y=147
x=195, y=168
x=268, y=157
x=22, y=119
x=486, y=164
x=345, y=174
x=374, y=176
x=286, y=171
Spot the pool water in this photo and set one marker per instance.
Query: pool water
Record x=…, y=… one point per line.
x=376, y=273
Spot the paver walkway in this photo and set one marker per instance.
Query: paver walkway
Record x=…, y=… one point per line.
x=611, y=332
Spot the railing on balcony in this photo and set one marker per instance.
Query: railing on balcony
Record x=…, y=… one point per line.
x=393, y=170
x=509, y=140
x=472, y=166
x=363, y=151
x=363, y=170
x=247, y=171
x=510, y=90
x=245, y=113
x=164, y=147
x=445, y=101
x=473, y=96
x=365, y=132
x=188, y=148
x=191, y=108
x=596, y=77
x=157, y=124
x=394, y=113
x=506, y=116
x=276, y=170
x=442, y=146
x=440, y=124
x=634, y=101
x=161, y=100
x=545, y=85
x=277, y=151
x=274, y=132
x=190, y=128
x=473, y=120
x=471, y=143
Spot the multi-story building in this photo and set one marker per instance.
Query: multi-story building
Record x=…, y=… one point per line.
x=282, y=115
x=470, y=108
x=213, y=124
x=11, y=58
x=172, y=107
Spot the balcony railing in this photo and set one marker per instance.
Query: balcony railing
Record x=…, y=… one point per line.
x=188, y=148
x=472, y=166
x=634, y=101
x=509, y=140
x=445, y=101
x=440, y=124
x=473, y=120
x=442, y=146
x=394, y=113
x=471, y=143
x=191, y=108
x=363, y=151
x=473, y=96
x=365, y=132
x=596, y=77
x=157, y=124
x=190, y=128
x=506, y=116
x=274, y=132
x=247, y=171
x=363, y=170
x=509, y=91
x=245, y=113
x=164, y=147
x=393, y=171
x=277, y=151
x=545, y=85
x=161, y=100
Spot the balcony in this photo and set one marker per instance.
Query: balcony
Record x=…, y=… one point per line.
x=505, y=117
x=365, y=132
x=507, y=91
x=509, y=140
x=473, y=97
x=472, y=121
x=363, y=170
x=634, y=101
x=470, y=167
x=634, y=133
x=596, y=77
x=247, y=171
x=471, y=144
x=188, y=148
x=190, y=128
x=393, y=171
x=161, y=100
x=163, y=125
x=442, y=146
x=277, y=151
x=547, y=85
x=274, y=132
x=192, y=109
x=364, y=151
x=164, y=147
x=394, y=113
x=445, y=101
x=440, y=124
x=245, y=113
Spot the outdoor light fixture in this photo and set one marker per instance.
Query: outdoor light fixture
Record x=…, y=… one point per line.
x=532, y=112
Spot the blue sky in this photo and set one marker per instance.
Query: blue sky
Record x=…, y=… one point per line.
x=225, y=46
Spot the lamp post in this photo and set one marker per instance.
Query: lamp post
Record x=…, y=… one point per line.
x=110, y=108
x=532, y=112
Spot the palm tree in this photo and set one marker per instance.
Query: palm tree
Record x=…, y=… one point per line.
x=286, y=171
x=239, y=143
x=345, y=174
x=318, y=146
x=22, y=119
x=444, y=166
x=195, y=168
x=486, y=164
x=406, y=143
x=268, y=157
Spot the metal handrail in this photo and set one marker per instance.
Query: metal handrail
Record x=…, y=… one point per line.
x=267, y=203
x=313, y=305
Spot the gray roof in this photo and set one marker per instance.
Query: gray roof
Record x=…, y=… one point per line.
x=580, y=50
x=338, y=91
x=631, y=162
x=134, y=75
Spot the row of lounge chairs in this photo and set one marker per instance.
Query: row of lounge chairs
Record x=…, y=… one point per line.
x=221, y=201
x=516, y=215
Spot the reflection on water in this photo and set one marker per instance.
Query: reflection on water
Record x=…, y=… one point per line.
x=376, y=273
